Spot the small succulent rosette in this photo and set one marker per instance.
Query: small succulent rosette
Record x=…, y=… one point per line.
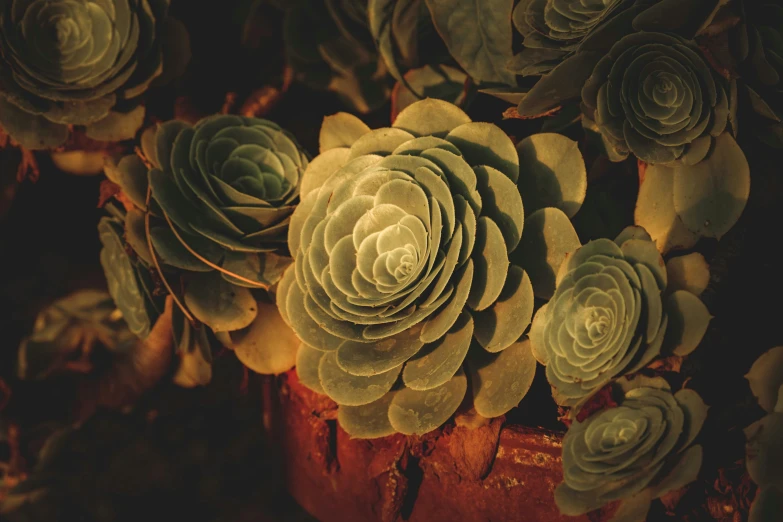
x=67, y=330
x=211, y=206
x=408, y=282
x=616, y=308
x=83, y=63
x=764, y=450
x=553, y=29
x=634, y=453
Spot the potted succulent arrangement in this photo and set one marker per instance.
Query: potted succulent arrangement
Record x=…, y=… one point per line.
x=482, y=295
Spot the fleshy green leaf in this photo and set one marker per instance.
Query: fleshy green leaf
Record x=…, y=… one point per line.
x=633, y=509
x=500, y=202
x=676, y=16
x=766, y=377
x=117, y=126
x=505, y=321
x=430, y=117
x=486, y=144
x=369, y=421
x=709, y=197
x=268, y=346
x=548, y=237
x=353, y=390
x=655, y=210
x=689, y=272
x=265, y=268
x=490, y=260
x=552, y=173
x=501, y=380
x=307, y=362
x=440, y=82
x=478, y=34
x=688, y=322
x=340, y=130
x=322, y=166
x=219, y=304
x=33, y=132
x=418, y=412
x=562, y=84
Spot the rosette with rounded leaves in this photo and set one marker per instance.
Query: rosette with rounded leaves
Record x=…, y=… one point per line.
x=401, y=270
x=70, y=62
x=552, y=29
x=654, y=96
x=764, y=450
x=329, y=46
x=610, y=316
x=635, y=452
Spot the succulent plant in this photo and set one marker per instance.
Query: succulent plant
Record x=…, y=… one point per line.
x=212, y=203
x=654, y=95
x=84, y=62
x=406, y=266
x=552, y=29
x=68, y=328
x=612, y=313
x=764, y=451
x=635, y=452
x=329, y=46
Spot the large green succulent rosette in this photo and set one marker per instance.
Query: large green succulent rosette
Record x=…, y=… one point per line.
x=633, y=453
x=613, y=313
x=213, y=202
x=82, y=62
x=402, y=289
x=655, y=96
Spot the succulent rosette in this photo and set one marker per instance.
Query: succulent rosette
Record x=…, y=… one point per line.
x=654, y=96
x=405, y=284
x=82, y=62
x=211, y=203
x=764, y=450
x=552, y=29
x=612, y=313
x=635, y=452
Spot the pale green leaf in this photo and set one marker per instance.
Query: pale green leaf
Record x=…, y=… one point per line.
x=438, y=361
x=307, y=362
x=766, y=377
x=500, y=381
x=117, y=126
x=689, y=272
x=219, y=304
x=552, y=173
x=369, y=421
x=688, y=322
x=506, y=320
x=340, y=130
x=430, y=117
x=490, y=260
x=419, y=412
x=268, y=346
x=353, y=390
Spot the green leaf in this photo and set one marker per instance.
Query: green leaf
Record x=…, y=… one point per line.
x=307, y=362
x=369, y=421
x=430, y=117
x=117, y=126
x=379, y=141
x=32, y=131
x=688, y=322
x=321, y=168
x=130, y=174
x=195, y=357
x=548, y=238
x=487, y=144
x=173, y=253
x=500, y=201
x=500, y=381
x=689, y=272
x=490, y=259
x=709, y=197
x=512, y=95
x=268, y=346
x=136, y=235
x=439, y=82
x=437, y=362
x=676, y=16
x=353, y=390
x=766, y=377
x=655, y=210
x=633, y=509
x=695, y=414
x=79, y=162
x=175, y=45
x=340, y=130
x=418, y=412
x=505, y=321
x=552, y=173
x=563, y=84
x=366, y=359
x=219, y=304
x=265, y=268
x=478, y=35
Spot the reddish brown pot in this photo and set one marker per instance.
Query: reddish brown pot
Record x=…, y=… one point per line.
x=495, y=472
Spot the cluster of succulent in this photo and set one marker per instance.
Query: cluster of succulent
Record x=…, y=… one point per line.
x=634, y=452
x=210, y=205
x=764, y=450
x=83, y=63
x=412, y=276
